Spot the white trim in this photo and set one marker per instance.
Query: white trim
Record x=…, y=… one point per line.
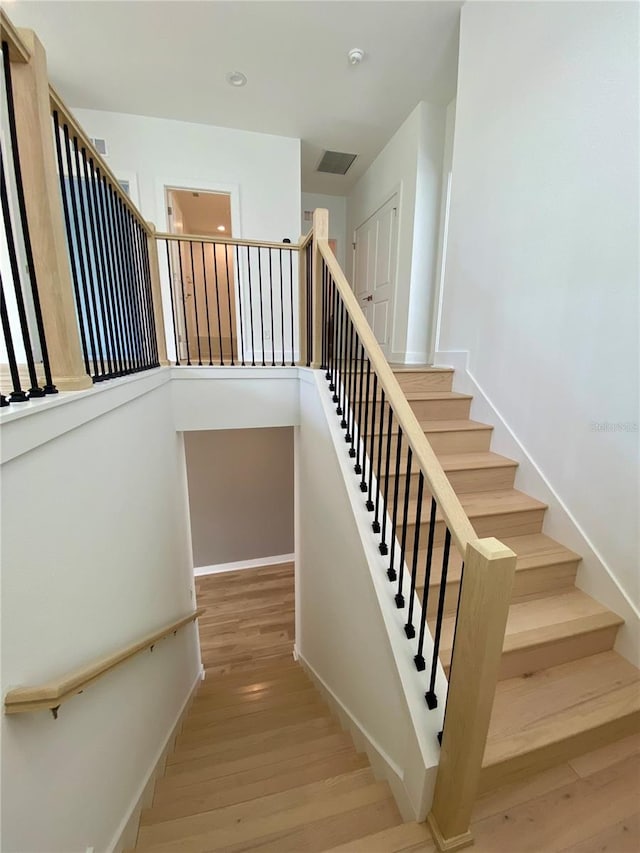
x=126, y=833
x=595, y=576
x=258, y=563
x=233, y=190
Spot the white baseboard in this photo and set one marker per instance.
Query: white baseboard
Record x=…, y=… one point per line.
x=595, y=576
x=381, y=764
x=259, y=563
x=127, y=833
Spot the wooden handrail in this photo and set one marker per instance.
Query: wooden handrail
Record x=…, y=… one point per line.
x=53, y=693
x=305, y=240
x=18, y=50
x=229, y=241
x=448, y=502
x=67, y=116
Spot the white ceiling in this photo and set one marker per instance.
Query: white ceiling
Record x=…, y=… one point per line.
x=168, y=59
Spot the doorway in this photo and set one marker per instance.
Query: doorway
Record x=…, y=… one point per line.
x=375, y=263
x=204, y=274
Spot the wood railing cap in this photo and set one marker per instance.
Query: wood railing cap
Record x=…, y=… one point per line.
x=52, y=693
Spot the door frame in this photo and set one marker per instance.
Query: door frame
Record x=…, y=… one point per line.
x=163, y=186
x=396, y=190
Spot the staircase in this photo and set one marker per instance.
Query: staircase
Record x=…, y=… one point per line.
x=562, y=689
x=260, y=763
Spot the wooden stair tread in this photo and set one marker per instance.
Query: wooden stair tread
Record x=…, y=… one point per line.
x=397, y=367
x=483, y=504
x=533, y=551
x=444, y=425
x=262, y=817
x=479, y=460
x=554, y=704
x=543, y=620
x=396, y=839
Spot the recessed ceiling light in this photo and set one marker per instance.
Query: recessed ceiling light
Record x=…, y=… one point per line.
x=221, y=228
x=236, y=78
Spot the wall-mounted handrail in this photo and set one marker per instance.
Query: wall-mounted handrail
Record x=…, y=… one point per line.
x=426, y=460
x=52, y=694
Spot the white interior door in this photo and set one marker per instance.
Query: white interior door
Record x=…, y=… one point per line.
x=375, y=260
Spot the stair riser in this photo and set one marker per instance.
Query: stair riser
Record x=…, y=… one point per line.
x=527, y=764
x=532, y=583
x=456, y=441
x=519, y=523
x=441, y=380
x=456, y=408
x=471, y=480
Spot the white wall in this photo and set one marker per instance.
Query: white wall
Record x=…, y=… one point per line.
x=95, y=553
x=337, y=207
x=409, y=164
x=542, y=265
x=341, y=583
x=240, y=494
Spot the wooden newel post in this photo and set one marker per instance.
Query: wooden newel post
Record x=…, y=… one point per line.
x=482, y=618
x=44, y=216
x=320, y=232
x=156, y=293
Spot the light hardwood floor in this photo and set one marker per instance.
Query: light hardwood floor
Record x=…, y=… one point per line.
x=260, y=764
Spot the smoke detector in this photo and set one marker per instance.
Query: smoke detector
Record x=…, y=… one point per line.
x=355, y=56
x=236, y=78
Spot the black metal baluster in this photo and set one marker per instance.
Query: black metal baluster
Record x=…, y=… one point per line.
x=376, y=520
x=239, y=290
x=353, y=392
x=453, y=646
x=120, y=277
x=67, y=220
x=340, y=387
x=35, y=390
x=82, y=253
x=148, y=291
x=86, y=195
x=145, y=295
x=17, y=394
x=365, y=429
x=273, y=333
x=253, y=347
x=327, y=317
x=195, y=300
x=334, y=343
x=374, y=403
x=349, y=410
x=310, y=306
x=405, y=522
x=206, y=297
x=409, y=630
x=107, y=280
x=430, y=695
x=261, y=304
x=419, y=658
x=358, y=444
x=49, y=387
x=174, y=316
x=293, y=359
x=215, y=270
x=110, y=251
x=184, y=306
x=391, y=572
x=130, y=284
x=226, y=262
x=383, y=547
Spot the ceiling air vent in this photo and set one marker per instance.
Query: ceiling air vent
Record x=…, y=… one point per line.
x=100, y=145
x=336, y=163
